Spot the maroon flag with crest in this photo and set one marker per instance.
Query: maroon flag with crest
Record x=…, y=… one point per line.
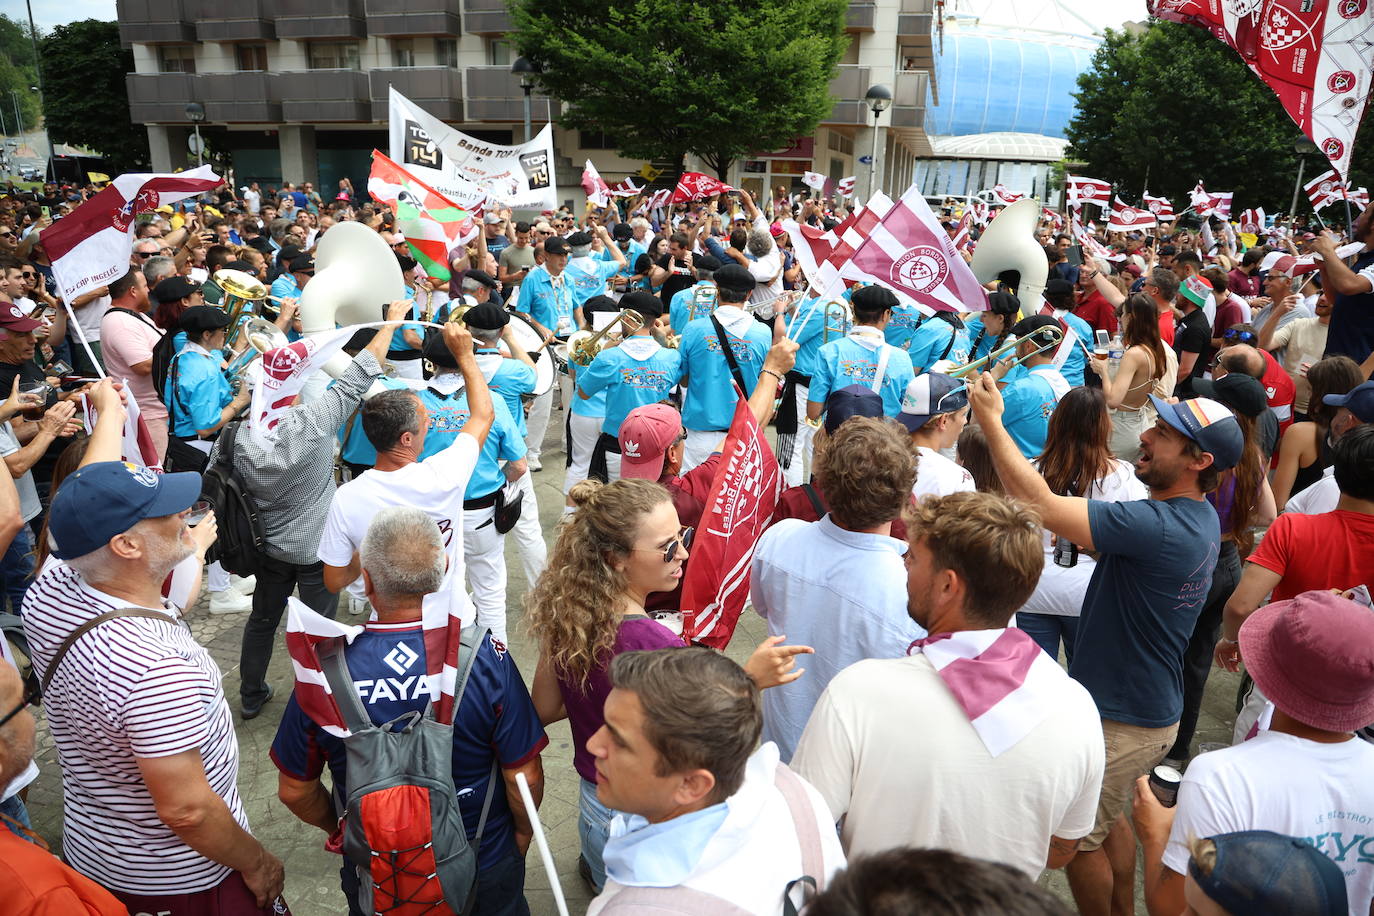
x=740, y=504
x=696, y=186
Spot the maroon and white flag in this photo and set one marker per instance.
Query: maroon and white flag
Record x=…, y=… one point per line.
x=1091, y=246
x=657, y=200
x=1125, y=218
x=980, y=212
x=846, y=186
x=1327, y=188
x=136, y=445
x=738, y=509
x=814, y=180
x=1159, y=206
x=625, y=188
x=1252, y=220
x=598, y=192
x=1052, y=217
x=910, y=253
x=306, y=630
x=1001, y=195
x=1318, y=58
x=961, y=237
x=90, y=248
x=696, y=186
x=277, y=378
x=1087, y=190
x=1359, y=198
x=1207, y=203
x=821, y=253
x=1221, y=203
x=1002, y=680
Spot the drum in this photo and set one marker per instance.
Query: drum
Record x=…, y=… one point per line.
x=532, y=343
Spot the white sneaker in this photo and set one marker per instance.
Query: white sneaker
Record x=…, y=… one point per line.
x=229, y=601
x=535, y=465
x=244, y=585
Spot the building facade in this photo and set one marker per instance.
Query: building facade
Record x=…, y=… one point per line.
x=296, y=90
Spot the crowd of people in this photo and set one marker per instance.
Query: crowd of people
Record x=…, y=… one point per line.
x=994, y=593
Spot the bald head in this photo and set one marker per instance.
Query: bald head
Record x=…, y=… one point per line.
x=1244, y=359
x=16, y=736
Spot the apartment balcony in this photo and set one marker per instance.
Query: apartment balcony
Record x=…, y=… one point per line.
x=915, y=26
x=859, y=17
x=243, y=20
x=486, y=17
x=414, y=17
x=324, y=95
x=305, y=20
x=848, y=87
x=909, y=102
x=154, y=22
x=246, y=96
x=494, y=94
x=438, y=90
x=160, y=97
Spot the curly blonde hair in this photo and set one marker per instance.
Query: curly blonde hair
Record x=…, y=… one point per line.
x=574, y=608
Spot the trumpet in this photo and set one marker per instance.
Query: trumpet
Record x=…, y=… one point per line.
x=243, y=298
x=583, y=346
x=1052, y=337
x=259, y=336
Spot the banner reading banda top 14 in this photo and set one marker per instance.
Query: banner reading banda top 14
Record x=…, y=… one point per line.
x=470, y=171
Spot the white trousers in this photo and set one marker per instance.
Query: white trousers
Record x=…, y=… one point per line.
x=537, y=424
x=795, y=474
x=529, y=535
x=582, y=435
x=484, y=552
x=216, y=577
x=699, y=446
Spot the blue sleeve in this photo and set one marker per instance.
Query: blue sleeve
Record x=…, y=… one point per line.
x=1130, y=528
x=512, y=445
x=518, y=736
x=607, y=268
x=536, y=305
x=514, y=377
x=717, y=251
x=296, y=749
x=593, y=378
x=200, y=391
x=822, y=379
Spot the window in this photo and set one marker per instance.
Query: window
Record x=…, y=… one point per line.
x=595, y=139
x=498, y=52
x=841, y=143
x=402, y=52
x=252, y=57
x=177, y=58
x=333, y=55
x=446, y=50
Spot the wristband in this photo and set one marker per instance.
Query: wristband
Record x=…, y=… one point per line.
x=775, y=375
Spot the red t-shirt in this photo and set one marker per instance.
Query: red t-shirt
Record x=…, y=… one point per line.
x=1243, y=284
x=1166, y=327
x=1097, y=311
x=1279, y=390
x=795, y=503
x=1228, y=313
x=1344, y=559
x=36, y=882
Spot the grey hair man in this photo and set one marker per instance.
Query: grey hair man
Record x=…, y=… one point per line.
x=157, y=269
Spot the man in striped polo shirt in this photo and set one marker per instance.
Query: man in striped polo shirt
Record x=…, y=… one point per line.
x=136, y=706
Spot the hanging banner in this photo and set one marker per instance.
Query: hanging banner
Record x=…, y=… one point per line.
x=469, y=171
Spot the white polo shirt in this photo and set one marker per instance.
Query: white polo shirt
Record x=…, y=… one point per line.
x=131, y=687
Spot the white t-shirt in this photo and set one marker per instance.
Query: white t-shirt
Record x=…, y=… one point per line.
x=894, y=754
x=1319, y=793
x=1303, y=341
x=31, y=771
x=29, y=505
x=435, y=485
x=1060, y=589
x=90, y=315
x=1321, y=497
x=252, y=200
x=936, y=475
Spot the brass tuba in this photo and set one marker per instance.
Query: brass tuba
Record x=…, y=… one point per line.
x=1009, y=244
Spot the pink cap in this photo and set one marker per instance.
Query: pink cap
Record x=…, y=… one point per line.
x=646, y=434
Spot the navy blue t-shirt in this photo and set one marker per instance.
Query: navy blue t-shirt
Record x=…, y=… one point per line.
x=387, y=662
x=1352, y=320
x=1154, y=570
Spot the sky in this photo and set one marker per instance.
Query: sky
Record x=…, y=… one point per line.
x=48, y=13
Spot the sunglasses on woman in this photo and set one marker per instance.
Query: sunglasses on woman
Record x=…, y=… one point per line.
x=683, y=540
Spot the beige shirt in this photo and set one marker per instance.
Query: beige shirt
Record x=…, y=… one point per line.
x=1303, y=341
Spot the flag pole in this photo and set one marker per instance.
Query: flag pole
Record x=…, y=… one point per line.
x=544, y=855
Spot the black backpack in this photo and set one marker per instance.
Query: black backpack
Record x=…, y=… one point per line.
x=236, y=512
x=164, y=351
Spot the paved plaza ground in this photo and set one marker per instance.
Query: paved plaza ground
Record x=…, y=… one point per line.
x=312, y=887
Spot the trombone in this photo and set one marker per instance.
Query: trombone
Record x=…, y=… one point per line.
x=583, y=346
x=837, y=321
x=1053, y=337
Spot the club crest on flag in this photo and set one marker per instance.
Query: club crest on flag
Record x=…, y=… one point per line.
x=921, y=269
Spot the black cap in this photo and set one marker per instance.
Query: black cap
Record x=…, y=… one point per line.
x=579, y=239
x=1242, y=393
x=600, y=304
x=1058, y=286
x=203, y=318
x=622, y=231
x=555, y=245
x=1035, y=328
x=1004, y=304
x=734, y=278
x=486, y=316
x=302, y=263
x=871, y=299
x=645, y=303
x=436, y=351
x=174, y=289
x=287, y=253
x=481, y=276
x=241, y=265
x=707, y=262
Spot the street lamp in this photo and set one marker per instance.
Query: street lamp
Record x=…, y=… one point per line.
x=196, y=112
x=878, y=97
x=525, y=70
x=1304, y=147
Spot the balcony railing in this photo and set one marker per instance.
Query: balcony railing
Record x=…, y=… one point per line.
x=486, y=17
x=155, y=97
x=438, y=90
x=302, y=20
x=242, y=20
x=324, y=95
x=239, y=97
x=414, y=17
x=494, y=94
x=154, y=21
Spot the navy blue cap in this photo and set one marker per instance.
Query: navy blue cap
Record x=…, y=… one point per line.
x=929, y=395
x=108, y=498
x=1359, y=401
x=1208, y=423
x=1261, y=872
x=851, y=401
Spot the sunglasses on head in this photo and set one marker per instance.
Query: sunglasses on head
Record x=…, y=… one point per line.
x=1242, y=336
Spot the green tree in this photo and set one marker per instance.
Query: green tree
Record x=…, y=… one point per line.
x=85, y=100
x=17, y=76
x=1171, y=105
x=664, y=78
